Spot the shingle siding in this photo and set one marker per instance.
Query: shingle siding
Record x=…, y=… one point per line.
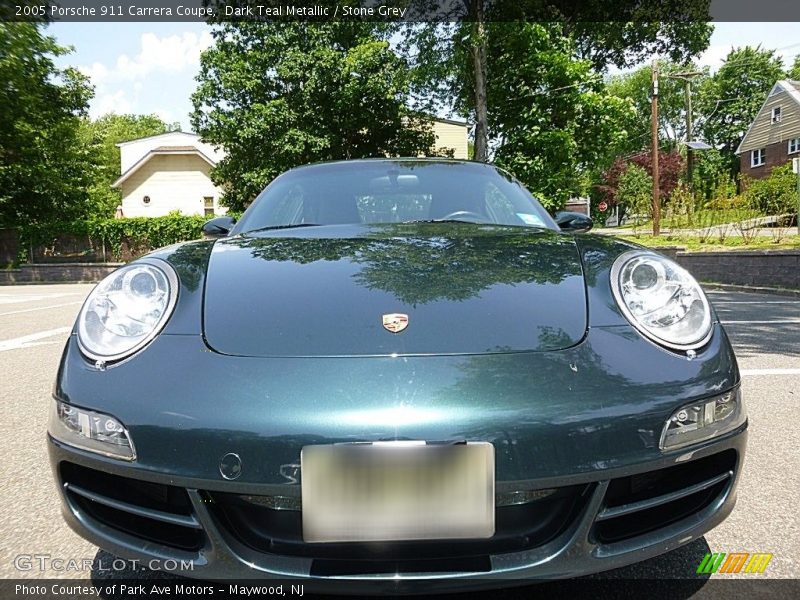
x=451, y=136
x=173, y=182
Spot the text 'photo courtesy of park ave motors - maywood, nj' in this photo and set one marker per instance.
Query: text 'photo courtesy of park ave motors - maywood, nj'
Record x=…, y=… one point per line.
x=387, y=298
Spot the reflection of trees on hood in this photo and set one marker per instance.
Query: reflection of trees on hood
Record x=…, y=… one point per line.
x=190, y=261
x=424, y=263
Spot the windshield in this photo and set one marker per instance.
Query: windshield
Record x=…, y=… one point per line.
x=386, y=191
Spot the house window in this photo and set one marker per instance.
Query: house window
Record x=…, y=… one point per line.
x=758, y=157
x=776, y=114
x=794, y=145
x=208, y=206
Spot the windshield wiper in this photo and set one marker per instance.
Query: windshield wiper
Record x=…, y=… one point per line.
x=446, y=221
x=274, y=227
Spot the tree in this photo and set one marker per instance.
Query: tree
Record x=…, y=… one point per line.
x=103, y=135
x=549, y=114
x=447, y=55
x=278, y=95
x=794, y=72
x=626, y=37
x=732, y=97
x=549, y=102
x=637, y=87
x=670, y=168
x=45, y=168
x=634, y=189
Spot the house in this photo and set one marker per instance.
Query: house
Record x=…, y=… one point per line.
x=451, y=135
x=168, y=172
x=774, y=136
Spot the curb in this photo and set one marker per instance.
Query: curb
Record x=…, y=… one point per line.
x=729, y=287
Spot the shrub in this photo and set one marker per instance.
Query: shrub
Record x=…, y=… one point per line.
x=122, y=239
x=634, y=189
x=773, y=195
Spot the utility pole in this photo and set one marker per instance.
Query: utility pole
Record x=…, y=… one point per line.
x=654, y=118
x=687, y=92
x=687, y=78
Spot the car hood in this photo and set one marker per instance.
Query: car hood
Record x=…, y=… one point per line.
x=323, y=291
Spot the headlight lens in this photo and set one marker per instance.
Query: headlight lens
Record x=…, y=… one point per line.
x=661, y=299
x=703, y=420
x=126, y=310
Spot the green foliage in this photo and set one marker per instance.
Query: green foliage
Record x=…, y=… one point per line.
x=794, y=72
x=551, y=121
x=629, y=39
x=637, y=87
x=102, y=135
x=679, y=211
x=773, y=195
x=635, y=190
x=278, y=95
x=711, y=176
x=732, y=97
x=45, y=166
x=122, y=238
x=547, y=139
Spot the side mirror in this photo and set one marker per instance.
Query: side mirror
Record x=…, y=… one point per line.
x=573, y=222
x=219, y=227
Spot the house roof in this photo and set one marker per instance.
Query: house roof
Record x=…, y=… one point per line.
x=792, y=89
x=188, y=134
x=450, y=121
x=162, y=151
x=174, y=149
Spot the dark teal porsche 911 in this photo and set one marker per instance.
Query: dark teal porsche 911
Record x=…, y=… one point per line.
x=400, y=373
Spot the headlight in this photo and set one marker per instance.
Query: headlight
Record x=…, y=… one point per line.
x=703, y=420
x=661, y=300
x=126, y=310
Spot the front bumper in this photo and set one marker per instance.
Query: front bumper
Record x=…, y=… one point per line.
x=584, y=421
x=618, y=517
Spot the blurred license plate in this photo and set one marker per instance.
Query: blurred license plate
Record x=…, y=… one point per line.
x=397, y=491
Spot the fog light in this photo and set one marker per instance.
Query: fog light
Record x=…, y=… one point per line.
x=517, y=497
x=89, y=430
x=703, y=420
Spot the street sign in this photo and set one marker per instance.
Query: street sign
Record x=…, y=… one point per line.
x=602, y=207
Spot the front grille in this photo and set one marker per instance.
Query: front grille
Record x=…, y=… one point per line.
x=518, y=527
x=642, y=503
x=150, y=511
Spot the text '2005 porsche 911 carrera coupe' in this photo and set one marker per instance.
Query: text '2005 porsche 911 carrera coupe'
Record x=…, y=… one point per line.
x=400, y=373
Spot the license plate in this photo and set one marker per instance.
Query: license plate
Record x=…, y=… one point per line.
x=389, y=491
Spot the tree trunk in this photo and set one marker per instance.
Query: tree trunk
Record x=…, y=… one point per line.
x=479, y=68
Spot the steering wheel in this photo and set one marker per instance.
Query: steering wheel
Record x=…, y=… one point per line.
x=459, y=214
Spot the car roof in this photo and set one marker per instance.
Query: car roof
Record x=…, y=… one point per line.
x=402, y=159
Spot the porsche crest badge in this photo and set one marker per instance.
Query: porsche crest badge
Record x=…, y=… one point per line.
x=395, y=322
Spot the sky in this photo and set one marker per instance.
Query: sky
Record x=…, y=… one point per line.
x=147, y=68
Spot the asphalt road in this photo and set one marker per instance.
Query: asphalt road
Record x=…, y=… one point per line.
x=765, y=329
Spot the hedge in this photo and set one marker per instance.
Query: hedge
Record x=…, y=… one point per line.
x=121, y=238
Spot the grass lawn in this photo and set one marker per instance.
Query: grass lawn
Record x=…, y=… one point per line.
x=699, y=219
x=693, y=244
